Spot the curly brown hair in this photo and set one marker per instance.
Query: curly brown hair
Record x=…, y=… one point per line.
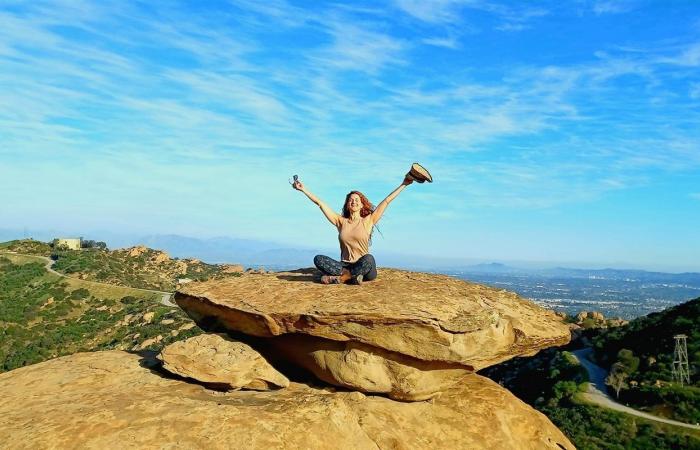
x=366, y=210
x=367, y=206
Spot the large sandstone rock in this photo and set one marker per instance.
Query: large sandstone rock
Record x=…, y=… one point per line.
x=370, y=369
x=424, y=316
x=107, y=400
x=214, y=359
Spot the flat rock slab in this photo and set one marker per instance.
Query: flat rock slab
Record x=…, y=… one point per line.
x=425, y=316
x=107, y=400
x=218, y=360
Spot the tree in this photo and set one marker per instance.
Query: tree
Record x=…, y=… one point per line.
x=617, y=379
x=627, y=359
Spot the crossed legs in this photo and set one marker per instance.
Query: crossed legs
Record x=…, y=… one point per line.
x=365, y=266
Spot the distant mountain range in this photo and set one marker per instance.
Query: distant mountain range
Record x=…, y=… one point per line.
x=272, y=254
x=606, y=274
x=231, y=250
x=275, y=255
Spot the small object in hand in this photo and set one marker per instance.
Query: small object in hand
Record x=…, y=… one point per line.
x=294, y=180
x=419, y=173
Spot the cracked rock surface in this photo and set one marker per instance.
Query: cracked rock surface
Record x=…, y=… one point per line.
x=424, y=316
x=112, y=400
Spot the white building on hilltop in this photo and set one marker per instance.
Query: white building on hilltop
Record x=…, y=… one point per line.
x=68, y=243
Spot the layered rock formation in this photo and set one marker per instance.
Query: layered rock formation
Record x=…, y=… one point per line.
x=216, y=360
x=409, y=335
x=365, y=368
x=111, y=400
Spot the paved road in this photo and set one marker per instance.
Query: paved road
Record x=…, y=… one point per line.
x=597, y=392
x=165, y=298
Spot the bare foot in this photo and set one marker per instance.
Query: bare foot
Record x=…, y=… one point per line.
x=345, y=276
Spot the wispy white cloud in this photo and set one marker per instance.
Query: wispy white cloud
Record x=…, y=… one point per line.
x=451, y=42
x=169, y=112
x=694, y=91
x=507, y=17
x=356, y=47
x=433, y=11
x=553, y=135
x=614, y=6
x=519, y=19
x=234, y=92
x=689, y=56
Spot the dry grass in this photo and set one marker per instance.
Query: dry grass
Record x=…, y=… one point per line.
x=100, y=290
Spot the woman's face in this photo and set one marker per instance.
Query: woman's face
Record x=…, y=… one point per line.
x=354, y=203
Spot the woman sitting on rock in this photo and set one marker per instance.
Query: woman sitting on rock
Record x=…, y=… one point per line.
x=355, y=228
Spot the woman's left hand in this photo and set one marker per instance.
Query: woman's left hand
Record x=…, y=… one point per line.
x=407, y=180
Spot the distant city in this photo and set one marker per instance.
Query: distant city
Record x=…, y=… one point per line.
x=615, y=293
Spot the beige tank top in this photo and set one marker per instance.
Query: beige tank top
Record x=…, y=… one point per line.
x=354, y=238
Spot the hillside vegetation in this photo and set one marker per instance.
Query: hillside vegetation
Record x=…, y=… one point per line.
x=639, y=357
x=138, y=267
x=551, y=382
x=27, y=246
x=43, y=316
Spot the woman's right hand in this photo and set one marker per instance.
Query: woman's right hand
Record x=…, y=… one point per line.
x=298, y=186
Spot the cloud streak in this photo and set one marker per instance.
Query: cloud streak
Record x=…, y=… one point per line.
x=346, y=96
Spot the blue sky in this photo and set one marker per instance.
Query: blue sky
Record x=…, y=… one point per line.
x=555, y=131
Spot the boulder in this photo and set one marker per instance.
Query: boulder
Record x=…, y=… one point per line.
x=160, y=257
x=597, y=316
x=216, y=360
x=136, y=251
x=576, y=331
x=232, y=268
x=113, y=400
x=369, y=369
x=427, y=317
x=617, y=322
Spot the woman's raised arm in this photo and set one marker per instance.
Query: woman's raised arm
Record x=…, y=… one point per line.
x=379, y=211
x=328, y=212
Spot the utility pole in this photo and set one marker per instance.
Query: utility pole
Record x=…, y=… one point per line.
x=681, y=371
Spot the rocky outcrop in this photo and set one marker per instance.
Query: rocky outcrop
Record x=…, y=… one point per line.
x=595, y=319
x=135, y=252
x=232, y=268
x=216, y=360
x=112, y=400
x=368, y=369
x=408, y=335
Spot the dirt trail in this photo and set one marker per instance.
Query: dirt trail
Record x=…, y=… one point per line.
x=597, y=392
x=165, y=298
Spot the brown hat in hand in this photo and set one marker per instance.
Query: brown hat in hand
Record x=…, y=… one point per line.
x=419, y=173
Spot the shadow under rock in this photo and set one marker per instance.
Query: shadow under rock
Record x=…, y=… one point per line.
x=150, y=361
x=293, y=372
x=308, y=274
x=155, y=366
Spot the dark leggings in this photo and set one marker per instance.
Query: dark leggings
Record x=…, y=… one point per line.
x=365, y=266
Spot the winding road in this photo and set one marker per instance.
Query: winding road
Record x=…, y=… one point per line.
x=598, y=395
x=165, y=298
